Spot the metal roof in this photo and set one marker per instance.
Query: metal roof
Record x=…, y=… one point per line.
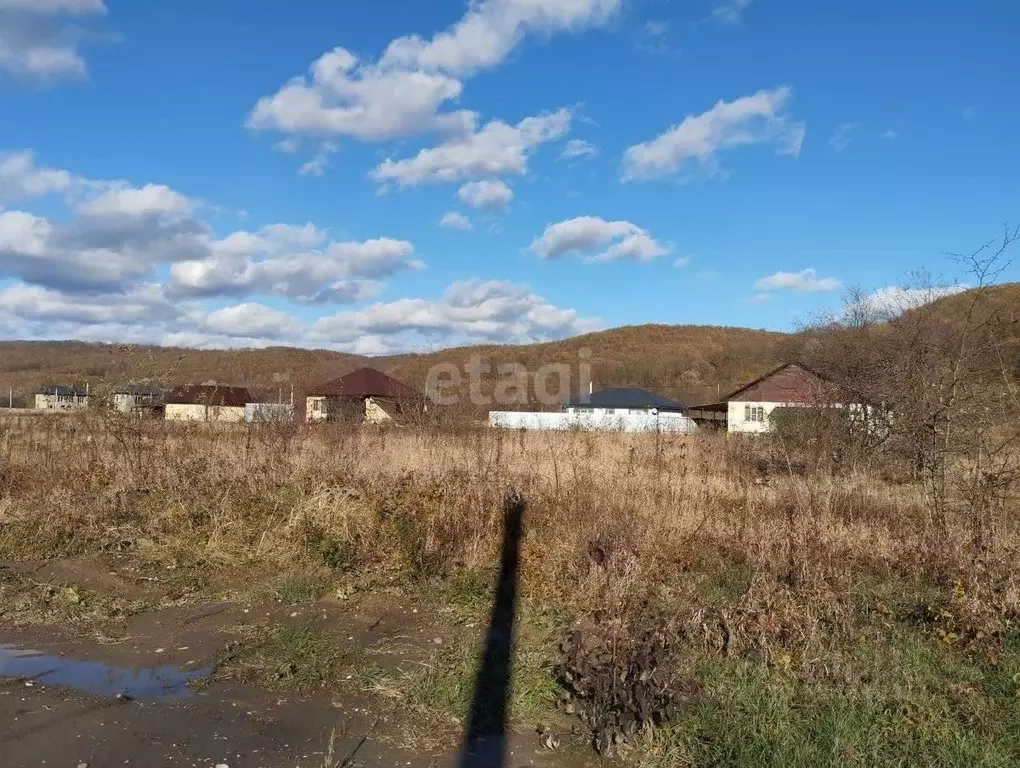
x=366, y=382
x=625, y=397
x=139, y=391
x=60, y=390
x=207, y=394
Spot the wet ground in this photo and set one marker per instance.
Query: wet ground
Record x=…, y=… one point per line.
x=146, y=691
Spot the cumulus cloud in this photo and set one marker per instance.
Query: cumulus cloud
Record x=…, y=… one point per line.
x=118, y=236
x=471, y=311
x=39, y=38
x=805, y=281
x=490, y=194
x=587, y=234
x=455, y=220
x=576, y=148
x=252, y=321
x=21, y=179
x=497, y=149
x=296, y=263
x=121, y=199
x=403, y=93
x=761, y=118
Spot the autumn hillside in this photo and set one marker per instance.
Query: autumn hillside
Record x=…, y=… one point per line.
x=691, y=363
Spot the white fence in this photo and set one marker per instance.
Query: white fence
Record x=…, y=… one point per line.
x=268, y=413
x=596, y=421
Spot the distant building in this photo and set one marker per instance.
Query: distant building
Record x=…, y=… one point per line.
x=206, y=403
x=58, y=398
x=623, y=400
x=750, y=408
x=621, y=409
x=365, y=395
x=137, y=400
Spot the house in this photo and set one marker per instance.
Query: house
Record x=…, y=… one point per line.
x=57, y=398
x=623, y=400
x=364, y=395
x=750, y=408
x=621, y=409
x=137, y=400
x=207, y=402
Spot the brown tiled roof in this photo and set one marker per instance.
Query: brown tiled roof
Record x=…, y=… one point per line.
x=205, y=394
x=366, y=382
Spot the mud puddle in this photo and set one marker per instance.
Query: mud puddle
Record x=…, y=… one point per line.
x=163, y=682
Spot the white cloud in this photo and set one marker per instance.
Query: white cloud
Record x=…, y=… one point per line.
x=117, y=236
x=404, y=92
x=842, y=136
x=656, y=28
x=576, y=148
x=760, y=298
x=490, y=194
x=455, y=220
x=288, y=146
x=317, y=165
x=683, y=261
x=252, y=321
x=497, y=149
x=730, y=12
x=892, y=301
x=758, y=119
x=586, y=234
x=38, y=41
x=469, y=312
x=890, y=135
x=121, y=199
x=294, y=263
x=805, y=281
x=20, y=179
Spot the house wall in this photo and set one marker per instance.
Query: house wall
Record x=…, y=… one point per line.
x=604, y=412
x=374, y=414
x=184, y=412
x=316, y=409
x=198, y=412
x=54, y=403
x=737, y=415
x=601, y=421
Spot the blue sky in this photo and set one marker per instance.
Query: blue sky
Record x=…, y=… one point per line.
x=394, y=175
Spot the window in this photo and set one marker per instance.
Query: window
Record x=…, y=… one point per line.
x=754, y=413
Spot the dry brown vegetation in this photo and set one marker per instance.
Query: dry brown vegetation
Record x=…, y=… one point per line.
x=690, y=363
x=801, y=588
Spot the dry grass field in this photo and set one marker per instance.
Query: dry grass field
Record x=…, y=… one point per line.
x=693, y=600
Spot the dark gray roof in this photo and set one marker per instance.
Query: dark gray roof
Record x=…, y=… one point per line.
x=139, y=391
x=59, y=390
x=626, y=397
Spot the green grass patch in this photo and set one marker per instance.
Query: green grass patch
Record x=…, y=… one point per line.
x=301, y=659
x=890, y=699
x=443, y=685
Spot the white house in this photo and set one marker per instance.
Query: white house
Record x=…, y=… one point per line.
x=750, y=408
x=207, y=403
x=57, y=398
x=623, y=409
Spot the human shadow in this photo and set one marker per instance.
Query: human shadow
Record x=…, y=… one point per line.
x=485, y=742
